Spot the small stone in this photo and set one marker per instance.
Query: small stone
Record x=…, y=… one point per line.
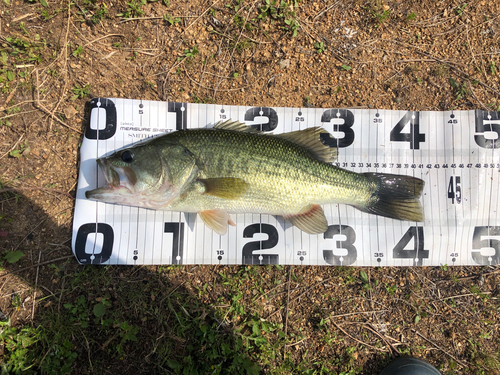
x=69, y=112
x=284, y=63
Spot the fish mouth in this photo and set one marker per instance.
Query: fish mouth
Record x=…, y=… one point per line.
x=119, y=182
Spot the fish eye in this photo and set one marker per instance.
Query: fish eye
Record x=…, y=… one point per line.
x=127, y=156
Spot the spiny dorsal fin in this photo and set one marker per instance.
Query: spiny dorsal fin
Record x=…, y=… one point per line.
x=225, y=187
x=236, y=126
x=310, y=138
x=311, y=219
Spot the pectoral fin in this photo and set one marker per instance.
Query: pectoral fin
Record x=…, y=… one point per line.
x=311, y=219
x=227, y=187
x=216, y=220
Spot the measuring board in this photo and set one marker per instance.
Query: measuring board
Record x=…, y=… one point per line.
x=456, y=153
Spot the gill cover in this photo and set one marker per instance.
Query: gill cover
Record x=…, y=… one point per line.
x=145, y=175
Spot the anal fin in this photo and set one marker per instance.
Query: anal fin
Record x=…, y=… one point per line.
x=311, y=219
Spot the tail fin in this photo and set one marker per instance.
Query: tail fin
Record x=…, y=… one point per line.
x=397, y=197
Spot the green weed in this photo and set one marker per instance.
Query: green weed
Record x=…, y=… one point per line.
x=134, y=9
x=13, y=256
x=379, y=12
x=23, y=149
x=43, y=2
x=460, y=9
x=170, y=19
x=411, y=17
x=493, y=68
x=18, y=356
x=318, y=46
x=80, y=92
x=78, y=51
x=461, y=90
x=189, y=53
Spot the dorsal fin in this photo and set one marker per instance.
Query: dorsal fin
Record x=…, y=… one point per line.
x=310, y=138
x=236, y=126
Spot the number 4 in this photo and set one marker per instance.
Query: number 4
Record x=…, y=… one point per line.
x=414, y=137
x=454, y=190
x=417, y=253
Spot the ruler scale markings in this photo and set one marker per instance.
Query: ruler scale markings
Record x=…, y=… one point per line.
x=491, y=188
x=473, y=169
x=392, y=169
x=496, y=168
x=470, y=195
x=412, y=126
x=97, y=183
x=377, y=146
x=460, y=252
x=134, y=254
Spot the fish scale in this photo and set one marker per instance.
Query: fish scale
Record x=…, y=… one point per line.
x=283, y=178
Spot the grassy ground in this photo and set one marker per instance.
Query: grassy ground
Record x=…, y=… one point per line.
x=57, y=317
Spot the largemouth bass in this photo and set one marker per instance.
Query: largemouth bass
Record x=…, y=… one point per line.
x=232, y=168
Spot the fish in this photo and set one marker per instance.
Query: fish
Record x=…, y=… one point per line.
x=233, y=168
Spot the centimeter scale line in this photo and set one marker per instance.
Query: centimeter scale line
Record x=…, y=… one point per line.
x=455, y=153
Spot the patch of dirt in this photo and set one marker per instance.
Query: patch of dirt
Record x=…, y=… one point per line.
x=411, y=55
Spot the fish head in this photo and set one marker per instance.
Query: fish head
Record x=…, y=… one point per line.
x=147, y=175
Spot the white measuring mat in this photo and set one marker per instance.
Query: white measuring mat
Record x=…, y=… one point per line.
x=456, y=153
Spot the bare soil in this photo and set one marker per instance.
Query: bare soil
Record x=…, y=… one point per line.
x=407, y=55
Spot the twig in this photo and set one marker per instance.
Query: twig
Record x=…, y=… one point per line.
x=451, y=65
x=13, y=147
x=103, y=37
x=36, y=283
x=38, y=188
x=11, y=95
x=22, y=17
x=438, y=347
x=355, y=313
x=88, y=350
x=213, y=89
x=151, y=18
x=463, y=295
x=475, y=97
x=372, y=328
x=287, y=306
x=298, y=297
x=38, y=264
x=44, y=109
x=326, y=10
x=473, y=276
x=355, y=339
x=65, y=63
x=201, y=15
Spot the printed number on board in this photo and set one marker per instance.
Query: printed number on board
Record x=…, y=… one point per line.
x=417, y=252
x=102, y=119
x=94, y=243
x=345, y=237
x=487, y=129
x=414, y=137
x=258, y=113
x=454, y=190
x=248, y=250
x=177, y=230
x=486, y=245
x=342, y=121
